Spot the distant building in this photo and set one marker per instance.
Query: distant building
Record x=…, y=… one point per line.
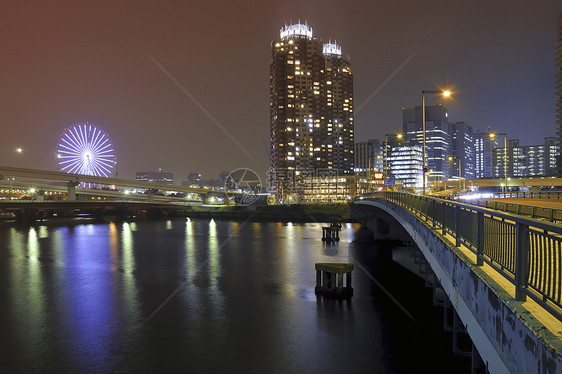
x=551, y=157
x=406, y=165
x=311, y=111
x=193, y=179
x=162, y=177
x=462, y=148
x=368, y=157
x=483, y=160
x=527, y=161
x=436, y=136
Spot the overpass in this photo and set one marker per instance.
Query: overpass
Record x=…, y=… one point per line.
x=445, y=187
x=74, y=180
x=501, y=273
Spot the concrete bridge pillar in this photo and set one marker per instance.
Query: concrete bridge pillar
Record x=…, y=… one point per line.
x=150, y=194
x=71, y=186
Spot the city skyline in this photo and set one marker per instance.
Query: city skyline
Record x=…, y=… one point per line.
x=76, y=62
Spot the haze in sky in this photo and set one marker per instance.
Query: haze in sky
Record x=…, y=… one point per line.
x=184, y=86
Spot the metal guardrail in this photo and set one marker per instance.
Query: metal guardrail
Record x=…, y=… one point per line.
x=549, y=214
x=525, y=251
x=533, y=195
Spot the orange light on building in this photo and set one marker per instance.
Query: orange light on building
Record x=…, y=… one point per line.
x=378, y=176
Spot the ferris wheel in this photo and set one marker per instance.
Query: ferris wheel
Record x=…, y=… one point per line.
x=85, y=149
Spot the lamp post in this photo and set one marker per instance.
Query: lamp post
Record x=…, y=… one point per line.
x=398, y=136
x=424, y=92
x=493, y=135
x=451, y=158
x=19, y=151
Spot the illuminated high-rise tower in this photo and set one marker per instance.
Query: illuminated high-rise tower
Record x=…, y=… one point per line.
x=559, y=92
x=311, y=109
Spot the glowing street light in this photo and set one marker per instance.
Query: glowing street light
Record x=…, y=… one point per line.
x=451, y=158
x=431, y=92
x=492, y=136
x=19, y=151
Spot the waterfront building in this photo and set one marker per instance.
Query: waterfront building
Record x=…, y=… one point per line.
x=162, y=177
x=311, y=111
x=437, y=144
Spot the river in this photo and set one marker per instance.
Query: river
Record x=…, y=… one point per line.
x=206, y=296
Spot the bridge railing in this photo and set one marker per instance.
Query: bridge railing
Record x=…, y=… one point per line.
x=525, y=251
x=532, y=194
x=550, y=214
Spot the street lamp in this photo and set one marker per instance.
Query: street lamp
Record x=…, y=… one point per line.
x=451, y=158
x=19, y=151
x=431, y=92
x=492, y=136
x=398, y=136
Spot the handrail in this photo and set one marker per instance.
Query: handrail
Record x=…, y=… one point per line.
x=550, y=214
x=532, y=194
x=526, y=251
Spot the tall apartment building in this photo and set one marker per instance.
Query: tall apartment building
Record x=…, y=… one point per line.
x=559, y=92
x=437, y=145
x=311, y=110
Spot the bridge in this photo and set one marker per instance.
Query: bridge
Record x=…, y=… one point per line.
x=498, y=273
x=73, y=180
x=110, y=197
x=531, y=185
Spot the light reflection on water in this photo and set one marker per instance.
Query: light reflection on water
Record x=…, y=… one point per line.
x=223, y=296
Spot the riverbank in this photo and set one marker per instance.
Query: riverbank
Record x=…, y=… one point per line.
x=276, y=213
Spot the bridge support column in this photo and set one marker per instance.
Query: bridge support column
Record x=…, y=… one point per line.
x=71, y=185
x=330, y=279
x=150, y=194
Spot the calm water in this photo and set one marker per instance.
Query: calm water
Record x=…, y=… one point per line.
x=201, y=296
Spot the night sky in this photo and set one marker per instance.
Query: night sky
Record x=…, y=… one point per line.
x=184, y=86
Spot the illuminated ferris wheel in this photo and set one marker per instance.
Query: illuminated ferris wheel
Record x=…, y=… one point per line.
x=85, y=149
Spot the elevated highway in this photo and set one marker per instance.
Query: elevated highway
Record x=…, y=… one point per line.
x=451, y=186
x=75, y=179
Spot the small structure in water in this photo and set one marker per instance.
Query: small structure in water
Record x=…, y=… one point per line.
x=330, y=279
x=332, y=232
